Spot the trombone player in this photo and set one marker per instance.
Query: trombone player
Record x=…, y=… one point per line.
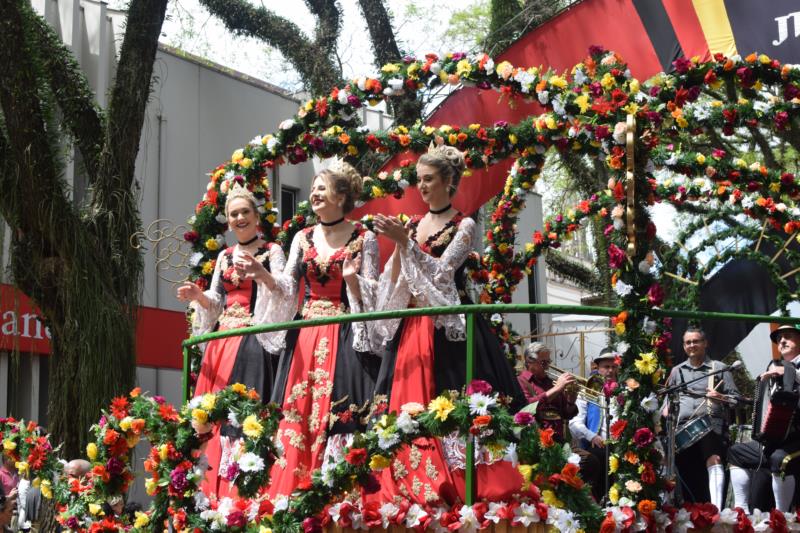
x=555, y=399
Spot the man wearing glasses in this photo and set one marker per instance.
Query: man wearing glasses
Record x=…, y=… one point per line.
x=554, y=403
x=702, y=411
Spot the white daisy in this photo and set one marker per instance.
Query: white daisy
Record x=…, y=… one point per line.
x=250, y=462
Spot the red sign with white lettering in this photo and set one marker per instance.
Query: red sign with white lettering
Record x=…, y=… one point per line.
x=159, y=332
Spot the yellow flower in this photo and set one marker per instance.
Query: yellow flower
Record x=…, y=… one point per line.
x=526, y=471
x=775, y=187
x=390, y=68
x=550, y=122
x=557, y=81
x=513, y=139
x=94, y=508
x=91, y=451
x=463, y=67
x=212, y=245
x=474, y=127
x=251, y=427
x=613, y=494
x=583, y=102
x=378, y=462
x=647, y=363
x=208, y=267
x=764, y=59
x=46, y=489
x=271, y=218
x=246, y=162
x=442, y=407
x=163, y=452
x=608, y=81
x=428, y=130
x=444, y=128
x=239, y=388
x=376, y=191
x=125, y=423
x=634, y=86
x=613, y=464
x=682, y=122
x=631, y=108
x=208, y=401
x=619, y=328
x=549, y=497
x=237, y=156
x=700, y=158
x=150, y=486
x=9, y=445
x=142, y=519
x=22, y=467
x=412, y=70
x=265, y=529
x=352, y=150
x=200, y=416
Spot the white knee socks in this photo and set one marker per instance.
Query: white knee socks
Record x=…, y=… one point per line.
x=783, y=490
x=716, y=481
x=740, y=482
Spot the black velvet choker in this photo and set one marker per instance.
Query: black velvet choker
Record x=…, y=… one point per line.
x=332, y=223
x=251, y=241
x=440, y=211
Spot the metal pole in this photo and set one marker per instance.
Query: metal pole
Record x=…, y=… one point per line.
x=583, y=355
x=469, y=474
x=185, y=376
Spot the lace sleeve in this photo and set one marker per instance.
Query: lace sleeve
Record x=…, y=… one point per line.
x=269, y=304
x=204, y=319
x=367, y=284
x=281, y=305
x=431, y=280
x=390, y=297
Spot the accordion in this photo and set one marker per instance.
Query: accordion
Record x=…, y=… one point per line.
x=775, y=405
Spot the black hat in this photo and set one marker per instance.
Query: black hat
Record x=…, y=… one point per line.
x=783, y=327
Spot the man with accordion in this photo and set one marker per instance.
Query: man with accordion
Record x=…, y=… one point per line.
x=776, y=426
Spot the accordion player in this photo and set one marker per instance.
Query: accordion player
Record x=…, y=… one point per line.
x=776, y=427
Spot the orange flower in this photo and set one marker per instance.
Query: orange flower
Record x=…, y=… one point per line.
x=253, y=394
x=110, y=437
x=646, y=507
x=137, y=426
x=631, y=457
x=136, y=392
x=569, y=474
x=546, y=437
x=404, y=140
x=482, y=420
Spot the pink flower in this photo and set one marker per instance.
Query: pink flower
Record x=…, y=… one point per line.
x=479, y=386
x=655, y=295
x=523, y=419
x=615, y=256
x=642, y=437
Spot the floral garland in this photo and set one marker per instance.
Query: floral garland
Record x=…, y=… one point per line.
x=175, y=464
x=33, y=455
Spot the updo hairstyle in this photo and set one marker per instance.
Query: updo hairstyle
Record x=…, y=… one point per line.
x=237, y=191
x=448, y=162
x=342, y=179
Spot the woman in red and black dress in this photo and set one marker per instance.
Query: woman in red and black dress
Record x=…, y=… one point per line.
x=325, y=383
x=427, y=355
x=236, y=298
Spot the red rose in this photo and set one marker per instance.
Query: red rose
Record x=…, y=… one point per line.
x=312, y=525
x=609, y=525
x=743, y=523
x=643, y=437
x=702, y=515
x=356, y=456
x=371, y=515
x=777, y=521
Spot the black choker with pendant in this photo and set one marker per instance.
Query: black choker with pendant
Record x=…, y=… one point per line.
x=329, y=224
x=440, y=211
x=251, y=241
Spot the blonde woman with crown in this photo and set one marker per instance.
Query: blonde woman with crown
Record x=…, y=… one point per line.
x=325, y=381
x=241, y=294
x=426, y=355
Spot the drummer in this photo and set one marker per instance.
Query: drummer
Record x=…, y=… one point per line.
x=703, y=413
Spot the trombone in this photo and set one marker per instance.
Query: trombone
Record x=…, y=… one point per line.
x=589, y=389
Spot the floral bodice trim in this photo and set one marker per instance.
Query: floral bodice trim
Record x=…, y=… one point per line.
x=437, y=242
x=321, y=269
x=228, y=273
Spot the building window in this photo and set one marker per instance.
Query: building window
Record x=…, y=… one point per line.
x=288, y=203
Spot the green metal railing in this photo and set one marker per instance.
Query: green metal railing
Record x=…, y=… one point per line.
x=470, y=311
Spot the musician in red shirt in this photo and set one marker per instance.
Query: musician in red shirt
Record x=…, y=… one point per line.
x=747, y=457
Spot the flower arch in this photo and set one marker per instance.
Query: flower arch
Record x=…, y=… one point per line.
x=686, y=123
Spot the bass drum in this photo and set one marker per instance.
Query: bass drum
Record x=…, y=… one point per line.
x=691, y=432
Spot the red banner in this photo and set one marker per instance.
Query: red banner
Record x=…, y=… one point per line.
x=158, y=332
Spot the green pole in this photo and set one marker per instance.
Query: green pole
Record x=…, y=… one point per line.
x=185, y=377
x=470, y=466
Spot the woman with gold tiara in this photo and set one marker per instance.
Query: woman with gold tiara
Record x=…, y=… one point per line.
x=325, y=382
x=241, y=294
x=427, y=355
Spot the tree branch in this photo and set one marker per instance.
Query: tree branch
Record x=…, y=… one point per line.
x=329, y=18
x=315, y=65
x=72, y=93
x=574, y=271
